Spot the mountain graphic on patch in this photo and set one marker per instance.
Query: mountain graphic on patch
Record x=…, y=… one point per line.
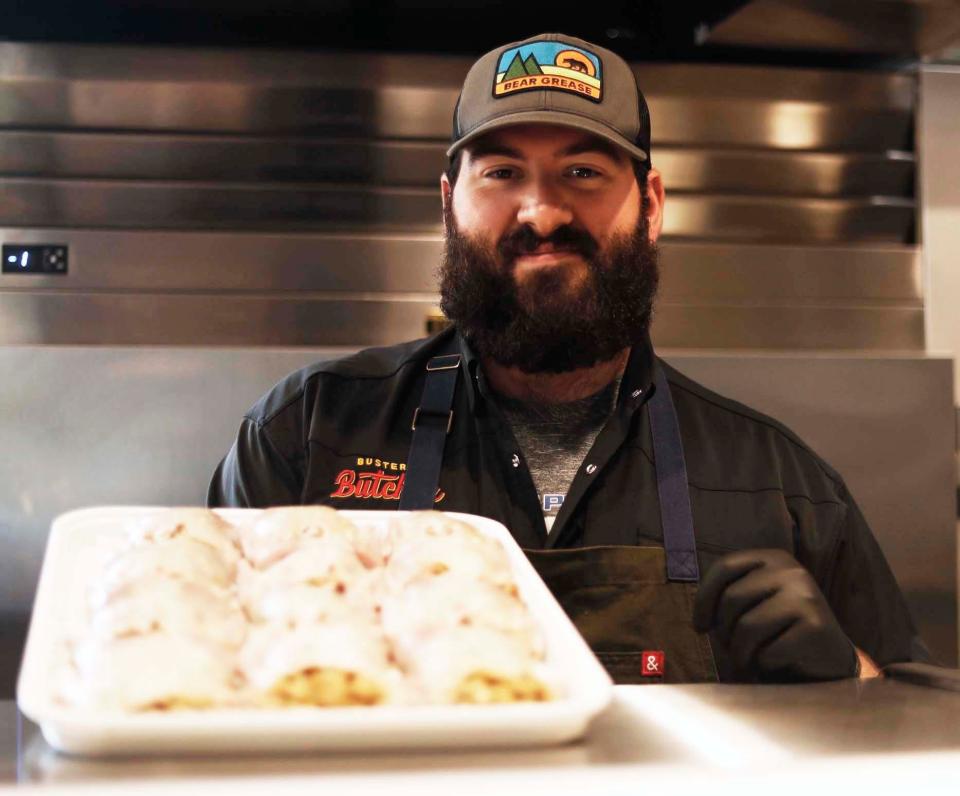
x=551, y=66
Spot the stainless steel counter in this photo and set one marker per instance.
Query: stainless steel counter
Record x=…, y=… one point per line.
x=688, y=730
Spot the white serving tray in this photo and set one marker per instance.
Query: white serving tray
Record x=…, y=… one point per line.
x=80, y=543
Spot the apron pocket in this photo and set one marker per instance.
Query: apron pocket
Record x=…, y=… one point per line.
x=620, y=601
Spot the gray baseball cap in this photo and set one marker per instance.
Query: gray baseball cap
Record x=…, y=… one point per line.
x=554, y=79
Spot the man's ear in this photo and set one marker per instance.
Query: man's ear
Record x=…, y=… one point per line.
x=655, y=199
x=446, y=195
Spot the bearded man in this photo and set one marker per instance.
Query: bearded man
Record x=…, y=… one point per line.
x=545, y=408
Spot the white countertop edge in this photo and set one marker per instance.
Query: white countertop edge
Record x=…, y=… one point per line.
x=931, y=774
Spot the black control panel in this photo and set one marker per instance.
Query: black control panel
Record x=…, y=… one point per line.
x=40, y=258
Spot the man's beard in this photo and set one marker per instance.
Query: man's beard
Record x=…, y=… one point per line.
x=542, y=326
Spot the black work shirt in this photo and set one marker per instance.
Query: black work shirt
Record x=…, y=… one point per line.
x=337, y=433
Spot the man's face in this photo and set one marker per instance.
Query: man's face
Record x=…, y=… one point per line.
x=549, y=262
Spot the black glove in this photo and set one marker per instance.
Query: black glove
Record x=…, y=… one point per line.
x=768, y=612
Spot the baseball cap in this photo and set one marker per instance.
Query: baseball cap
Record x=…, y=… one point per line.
x=554, y=79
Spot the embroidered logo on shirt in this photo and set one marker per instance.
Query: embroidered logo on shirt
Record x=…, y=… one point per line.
x=373, y=461
x=549, y=65
x=552, y=500
x=376, y=484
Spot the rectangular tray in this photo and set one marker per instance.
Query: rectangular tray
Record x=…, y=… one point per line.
x=81, y=541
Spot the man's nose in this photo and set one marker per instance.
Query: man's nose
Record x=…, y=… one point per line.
x=543, y=208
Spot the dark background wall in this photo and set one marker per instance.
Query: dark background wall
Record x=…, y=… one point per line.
x=648, y=30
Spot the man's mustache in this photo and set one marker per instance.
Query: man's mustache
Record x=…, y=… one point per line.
x=524, y=240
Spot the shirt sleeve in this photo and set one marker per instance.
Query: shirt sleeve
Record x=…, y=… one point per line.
x=865, y=596
x=254, y=473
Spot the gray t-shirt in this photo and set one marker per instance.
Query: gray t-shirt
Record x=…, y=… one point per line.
x=556, y=438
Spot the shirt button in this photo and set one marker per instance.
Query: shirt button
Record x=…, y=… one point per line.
x=636, y=393
x=515, y=460
x=591, y=469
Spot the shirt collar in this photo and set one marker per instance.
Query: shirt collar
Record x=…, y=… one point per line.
x=637, y=383
x=473, y=375
x=635, y=387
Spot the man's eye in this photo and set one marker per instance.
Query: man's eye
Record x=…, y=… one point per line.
x=500, y=174
x=584, y=172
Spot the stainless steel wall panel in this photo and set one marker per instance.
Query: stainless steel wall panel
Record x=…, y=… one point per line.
x=113, y=318
x=132, y=88
x=231, y=109
x=310, y=178
x=58, y=155
x=38, y=64
x=779, y=108
x=796, y=275
x=253, y=289
x=788, y=327
x=213, y=262
x=939, y=185
x=302, y=300
x=773, y=172
x=203, y=319
x=777, y=124
x=190, y=106
x=184, y=205
x=864, y=90
x=180, y=65
x=351, y=94
x=788, y=219
x=170, y=205
x=125, y=137
x=140, y=261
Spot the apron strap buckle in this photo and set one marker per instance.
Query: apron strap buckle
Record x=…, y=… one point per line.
x=448, y=362
x=416, y=414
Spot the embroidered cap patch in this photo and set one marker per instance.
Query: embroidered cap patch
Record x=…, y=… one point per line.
x=549, y=65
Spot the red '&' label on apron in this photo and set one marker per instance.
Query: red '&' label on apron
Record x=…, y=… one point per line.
x=651, y=663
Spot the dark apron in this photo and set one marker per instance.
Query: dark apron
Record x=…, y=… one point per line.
x=633, y=605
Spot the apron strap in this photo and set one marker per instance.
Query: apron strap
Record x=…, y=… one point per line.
x=432, y=421
x=676, y=516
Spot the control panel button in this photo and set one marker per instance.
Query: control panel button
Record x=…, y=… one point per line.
x=35, y=258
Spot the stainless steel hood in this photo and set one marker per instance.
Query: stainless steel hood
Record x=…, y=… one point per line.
x=906, y=29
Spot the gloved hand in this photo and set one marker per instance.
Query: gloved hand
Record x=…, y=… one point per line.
x=773, y=620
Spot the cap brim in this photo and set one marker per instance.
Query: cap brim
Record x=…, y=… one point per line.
x=556, y=117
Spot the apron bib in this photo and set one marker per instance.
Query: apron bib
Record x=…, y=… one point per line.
x=633, y=605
